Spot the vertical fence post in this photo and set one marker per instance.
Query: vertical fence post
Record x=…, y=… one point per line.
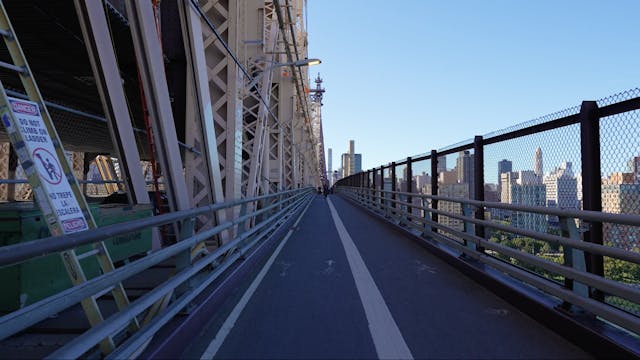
x=394, y=186
x=381, y=187
x=478, y=177
x=373, y=187
x=409, y=180
x=434, y=186
x=591, y=182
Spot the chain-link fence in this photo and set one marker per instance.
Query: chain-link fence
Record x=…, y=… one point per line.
x=581, y=158
x=620, y=173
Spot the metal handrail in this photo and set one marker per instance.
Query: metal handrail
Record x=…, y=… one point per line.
x=287, y=203
x=550, y=238
x=587, y=215
x=16, y=253
x=382, y=200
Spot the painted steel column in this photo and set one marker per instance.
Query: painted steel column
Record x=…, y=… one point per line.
x=97, y=38
x=226, y=90
x=591, y=182
x=202, y=170
x=259, y=25
x=285, y=114
x=151, y=66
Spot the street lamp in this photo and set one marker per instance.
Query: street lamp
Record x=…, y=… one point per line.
x=299, y=63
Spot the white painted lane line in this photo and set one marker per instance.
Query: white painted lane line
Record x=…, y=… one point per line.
x=230, y=322
x=386, y=336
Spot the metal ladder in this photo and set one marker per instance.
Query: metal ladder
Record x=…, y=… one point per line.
x=44, y=199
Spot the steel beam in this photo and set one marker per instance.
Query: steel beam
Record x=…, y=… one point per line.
x=150, y=61
x=97, y=38
x=203, y=171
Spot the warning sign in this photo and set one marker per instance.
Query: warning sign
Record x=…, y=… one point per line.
x=37, y=145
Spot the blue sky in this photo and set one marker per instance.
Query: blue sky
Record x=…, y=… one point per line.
x=407, y=76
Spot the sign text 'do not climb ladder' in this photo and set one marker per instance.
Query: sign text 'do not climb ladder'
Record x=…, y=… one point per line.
x=55, y=187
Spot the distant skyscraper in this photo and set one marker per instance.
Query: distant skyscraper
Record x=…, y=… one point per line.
x=504, y=166
x=357, y=163
x=524, y=188
x=442, y=164
x=562, y=188
x=464, y=171
x=344, y=166
x=621, y=195
x=351, y=162
x=537, y=163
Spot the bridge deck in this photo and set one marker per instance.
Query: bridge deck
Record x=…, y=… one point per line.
x=317, y=301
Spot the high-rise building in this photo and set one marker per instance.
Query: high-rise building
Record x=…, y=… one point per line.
x=464, y=171
x=344, y=165
x=621, y=195
x=562, y=188
x=537, y=163
x=453, y=191
x=442, y=164
x=524, y=188
x=357, y=163
x=422, y=181
x=504, y=166
x=351, y=162
x=530, y=195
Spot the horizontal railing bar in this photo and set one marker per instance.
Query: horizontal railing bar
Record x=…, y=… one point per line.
x=456, y=149
x=136, y=341
x=588, y=215
x=16, y=253
x=79, y=345
x=609, y=286
x=606, y=311
x=30, y=315
x=619, y=107
x=546, y=126
x=616, y=316
x=550, y=238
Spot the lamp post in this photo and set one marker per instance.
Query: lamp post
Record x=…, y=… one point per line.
x=299, y=63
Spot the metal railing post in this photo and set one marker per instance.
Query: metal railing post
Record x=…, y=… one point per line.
x=468, y=226
x=478, y=166
x=382, y=202
x=434, y=186
x=394, y=186
x=573, y=258
x=591, y=182
x=409, y=180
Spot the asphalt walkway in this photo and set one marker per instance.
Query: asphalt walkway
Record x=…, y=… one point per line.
x=344, y=285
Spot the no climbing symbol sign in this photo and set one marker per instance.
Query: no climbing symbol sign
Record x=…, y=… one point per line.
x=48, y=166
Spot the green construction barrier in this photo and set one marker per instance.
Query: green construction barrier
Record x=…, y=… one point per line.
x=33, y=280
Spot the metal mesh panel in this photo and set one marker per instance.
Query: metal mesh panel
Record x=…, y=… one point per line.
x=401, y=178
x=542, y=169
x=452, y=146
x=422, y=176
x=622, y=96
x=541, y=120
x=455, y=180
x=421, y=183
x=620, y=165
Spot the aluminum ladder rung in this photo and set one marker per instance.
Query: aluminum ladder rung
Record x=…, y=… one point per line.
x=88, y=253
x=18, y=69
